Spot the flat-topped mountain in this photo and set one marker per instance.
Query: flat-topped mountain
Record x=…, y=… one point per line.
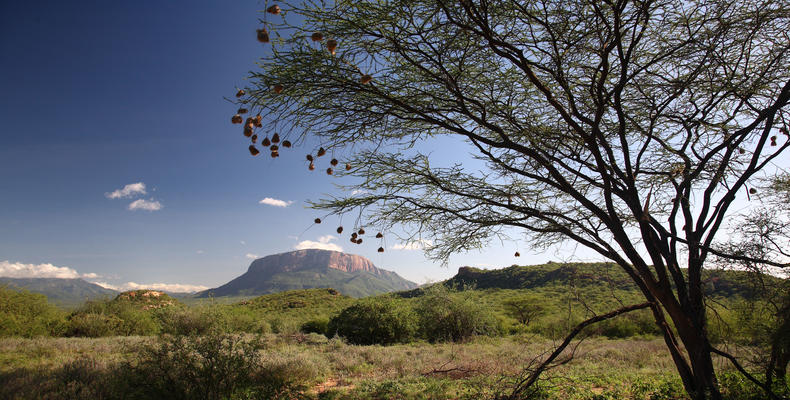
x=350, y=274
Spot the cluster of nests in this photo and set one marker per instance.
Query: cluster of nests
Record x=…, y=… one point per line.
x=356, y=237
x=256, y=122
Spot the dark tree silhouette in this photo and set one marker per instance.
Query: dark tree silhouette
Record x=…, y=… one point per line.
x=628, y=127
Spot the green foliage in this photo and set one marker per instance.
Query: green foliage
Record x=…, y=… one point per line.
x=318, y=325
x=375, y=321
x=449, y=316
x=26, y=314
x=214, y=366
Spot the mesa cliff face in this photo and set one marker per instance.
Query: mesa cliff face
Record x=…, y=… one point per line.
x=351, y=274
x=311, y=259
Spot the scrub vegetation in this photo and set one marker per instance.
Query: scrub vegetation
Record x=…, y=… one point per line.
x=468, y=337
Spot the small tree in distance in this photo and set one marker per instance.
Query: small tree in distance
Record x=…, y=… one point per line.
x=628, y=127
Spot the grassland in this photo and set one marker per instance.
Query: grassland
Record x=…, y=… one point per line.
x=329, y=368
x=469, y=338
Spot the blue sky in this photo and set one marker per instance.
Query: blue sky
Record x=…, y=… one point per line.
x=99, y=95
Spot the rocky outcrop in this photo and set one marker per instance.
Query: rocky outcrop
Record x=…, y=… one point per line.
x=311, y=259
x=351, y=274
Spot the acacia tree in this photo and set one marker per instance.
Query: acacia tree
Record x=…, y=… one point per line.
x=628, y=127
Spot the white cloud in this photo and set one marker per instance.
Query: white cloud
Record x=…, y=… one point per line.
x=275, y=202
x=129, y=190
x=326, y=238
x=251, y=256
x=243, y=242
x=323, y=243
x=200, y=252
x=20, y=270
x=148, y=205
x=413, y=245
x=165, y=287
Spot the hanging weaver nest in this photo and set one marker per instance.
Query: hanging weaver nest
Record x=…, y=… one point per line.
x=265, y=142
x=339, y=229
x=317, y=36
x=236, y=119
x=242, y=111
x=361, y=231
x=329, y=171
x=311, y=167
x=276, y=138
x=773, y=140
x=257, y=122
x=263, y=36
x=365, y=79
x=253, y=150
x=354, y=235
x=517, y=254
x=353, y=240
x=321, y=152
x=286, y=144
x=741, y=150
x=248, y=130
x=254, y=138
x=275, y=9
x=348, y=167
x=334, y=162
x=309, y=157
x=275, y=154
x=379, y=235
x=278, y=89
x=240, y=93
x=752, y=191
x=359, y=241
x=274, y=148
x=331, y=45
x=317, y=220
x=380, y=250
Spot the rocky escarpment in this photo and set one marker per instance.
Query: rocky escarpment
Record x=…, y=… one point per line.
x=350, y=274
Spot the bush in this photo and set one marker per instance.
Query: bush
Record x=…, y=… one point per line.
x=215, y=366
x=93, y=325
x=318, y=325
x=453, y=316
x=375, y=321
x=27, y=314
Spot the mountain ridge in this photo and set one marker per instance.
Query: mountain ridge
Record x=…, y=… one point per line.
x=350, y=274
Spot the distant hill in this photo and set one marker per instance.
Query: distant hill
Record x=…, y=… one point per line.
x=725, y=283
x=351, y=275
x=61, y=292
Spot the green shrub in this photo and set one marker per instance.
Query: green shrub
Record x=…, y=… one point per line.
x=318, y=325
x=93, y=325
x=28, y=314
x=375, y=321
x=454, y=316
x=215, y=366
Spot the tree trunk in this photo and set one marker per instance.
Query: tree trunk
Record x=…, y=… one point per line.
x=693, y=334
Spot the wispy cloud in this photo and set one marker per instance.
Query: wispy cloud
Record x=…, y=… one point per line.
x=323, y=243
x=132, y=189
x=275, y=202
x=165, y=287
x=200, y=252
x=19, y=270
x=418, y=244
x=252, y=256
x=147, y=205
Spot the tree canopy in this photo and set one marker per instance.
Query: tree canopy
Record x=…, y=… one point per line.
x=628, y=127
